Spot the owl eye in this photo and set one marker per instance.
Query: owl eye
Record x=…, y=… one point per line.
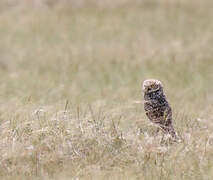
x=152, y=86
x=149, y=89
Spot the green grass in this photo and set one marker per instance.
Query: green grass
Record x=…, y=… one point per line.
x=70, y=89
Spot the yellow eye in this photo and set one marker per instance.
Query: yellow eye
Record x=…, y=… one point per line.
x=152, y=86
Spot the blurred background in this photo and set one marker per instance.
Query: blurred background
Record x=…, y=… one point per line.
x=89, y=50
x=100, y=52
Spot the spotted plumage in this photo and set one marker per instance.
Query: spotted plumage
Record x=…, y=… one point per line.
x=157, y=107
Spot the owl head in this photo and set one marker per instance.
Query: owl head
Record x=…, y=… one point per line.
x=151, y=85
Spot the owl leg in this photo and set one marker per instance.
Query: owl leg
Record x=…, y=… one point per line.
x=157, y=131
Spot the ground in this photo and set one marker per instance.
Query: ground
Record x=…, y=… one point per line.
x=70, y=88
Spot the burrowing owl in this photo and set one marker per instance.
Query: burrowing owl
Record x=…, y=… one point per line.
x=157, y=107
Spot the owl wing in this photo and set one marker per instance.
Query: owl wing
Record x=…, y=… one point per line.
x=168, y=116
x=168, y=126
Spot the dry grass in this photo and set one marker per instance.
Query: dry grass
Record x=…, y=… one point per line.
x=71, y=74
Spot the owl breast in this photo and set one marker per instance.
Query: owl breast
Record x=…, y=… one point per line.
x=154, y=113
x=155, y=105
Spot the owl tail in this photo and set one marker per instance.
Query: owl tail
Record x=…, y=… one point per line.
x=170, y=130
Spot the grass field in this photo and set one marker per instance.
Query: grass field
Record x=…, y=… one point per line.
x=70, y=88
